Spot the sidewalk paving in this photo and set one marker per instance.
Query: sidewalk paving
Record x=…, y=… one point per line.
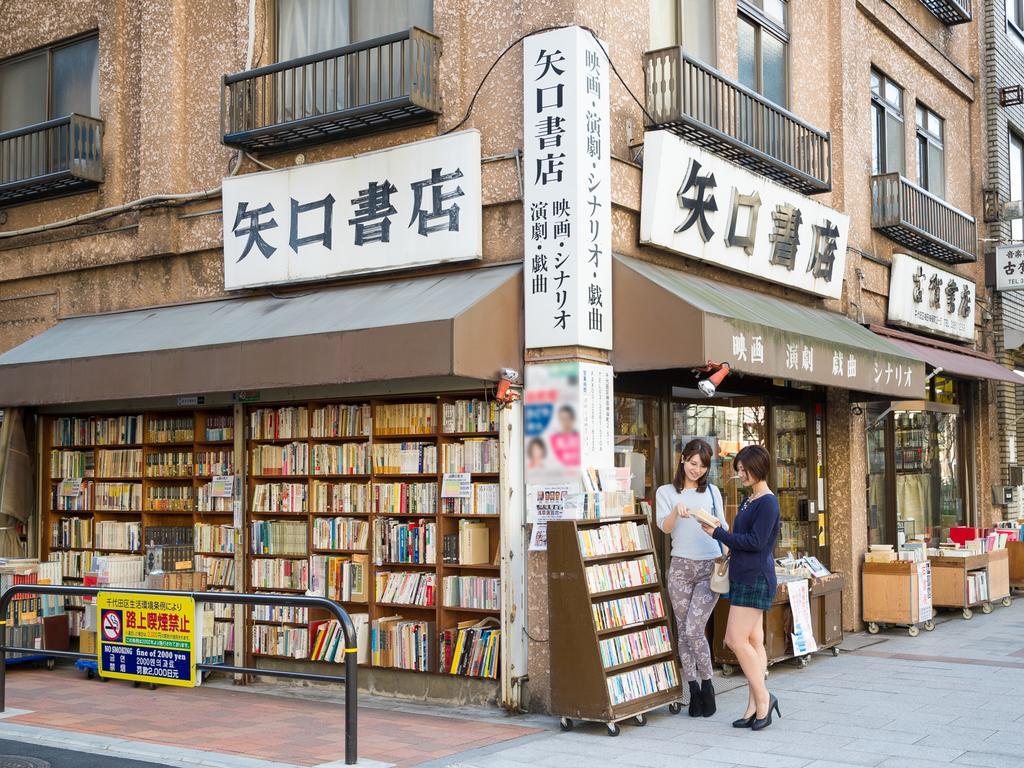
x=952, y=697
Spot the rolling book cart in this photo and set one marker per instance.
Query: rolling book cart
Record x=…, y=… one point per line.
x=613, y=654
x=898, y=593
x=951, y=583
x=999, y=577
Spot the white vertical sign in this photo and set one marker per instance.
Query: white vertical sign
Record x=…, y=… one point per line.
x=567, y=192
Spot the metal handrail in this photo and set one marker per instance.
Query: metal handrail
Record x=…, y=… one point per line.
x=897, y=201
x=70, y=143
x=682, y=88
x=950, y=12
x=226, y=598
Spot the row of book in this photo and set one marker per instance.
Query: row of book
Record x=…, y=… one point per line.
x=207, y=502
x=177, y=429
x=470, y=649
x=329, y=639
x=406, y=419
x=219, y=570
x=478, y=592
x=217, y=642
x=117, y=497
x=407, y=458
x=340, y=498
x=344, y=459
x=273, y=640
x=169, y=464
x=614, y=537
x=119, y=430
x=214, y=462
x=114, y=535
x=624, y=649
x=977, y=587
x=405, y=498
x=402, y=643
x=627, y=611
x=469, y=416
x=121, y=463
x=280, y=497
x=170, y=535
x=71, y=532
x=594, y=505
x=290, y=459
x=406, y=588
x=340, y=420
x=280, y=573
x=604, y=577
x=340, y=533
x=226, y=610
x=220, y=428
x=169, y=498
x=278, y=537
x=279, y=423
x=73, y=565
x=285, y=614
x=471, y=455
x=72, y=464
x=214, y=538
x=470, y=546
x=646, y=681
x=80, y=503
x=339, y=578
x=401, y=541
x=73, y=431
x=483, y=501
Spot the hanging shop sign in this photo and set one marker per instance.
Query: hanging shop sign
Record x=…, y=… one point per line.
x=403, y=207
x=1010, y=267
x=147, y=638
x=567, y=190
x=930, y=299
x=701, y=206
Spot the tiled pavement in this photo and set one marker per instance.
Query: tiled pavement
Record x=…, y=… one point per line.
x=952, y=697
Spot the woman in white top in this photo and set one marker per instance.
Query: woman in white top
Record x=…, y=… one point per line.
x=689, y=576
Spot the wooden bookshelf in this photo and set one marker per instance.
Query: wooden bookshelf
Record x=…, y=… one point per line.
x=581, y=682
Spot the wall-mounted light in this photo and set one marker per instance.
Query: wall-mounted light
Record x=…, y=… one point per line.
x=718, y=373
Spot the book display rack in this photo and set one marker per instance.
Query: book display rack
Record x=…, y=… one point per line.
x=898, y=593
x=613, y=654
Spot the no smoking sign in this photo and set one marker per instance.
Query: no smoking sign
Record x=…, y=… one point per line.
x=112, y=626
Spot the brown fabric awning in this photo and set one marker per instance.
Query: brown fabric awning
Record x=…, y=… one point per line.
x=668, y=319
x=953, y=363
x=456, y=324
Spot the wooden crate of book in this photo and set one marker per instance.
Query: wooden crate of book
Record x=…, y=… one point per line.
x=1015, y=551
x=960, y=581
x=613, y=653
x=892, y=594
x=999, y=576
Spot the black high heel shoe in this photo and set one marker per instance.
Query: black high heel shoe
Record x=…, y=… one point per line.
x=745, y=722
x=763, y=722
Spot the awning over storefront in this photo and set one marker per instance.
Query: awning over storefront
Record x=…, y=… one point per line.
x=458, y=324
x=668, y=319
x=951, y=362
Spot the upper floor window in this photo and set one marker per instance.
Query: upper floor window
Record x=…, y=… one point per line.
x=312, y=26
x=689, y=23
x=50, y=83
x=888, y=154
x=1015, y=13
x=1016, y=183
x=930, y=155
x=763, y=38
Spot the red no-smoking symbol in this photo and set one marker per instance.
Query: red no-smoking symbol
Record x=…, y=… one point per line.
x=111, y=625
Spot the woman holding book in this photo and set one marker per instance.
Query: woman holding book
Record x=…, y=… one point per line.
x=693, y=560
x=752, y=581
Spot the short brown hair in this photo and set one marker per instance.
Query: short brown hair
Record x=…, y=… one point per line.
x=755, y=460
x=695, y=447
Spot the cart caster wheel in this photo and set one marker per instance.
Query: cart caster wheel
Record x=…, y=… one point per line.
x=727, y=670
x=104, y=679
x=641, y=720
x=675, y=707
x=565, y=724
x=835, y=651
x=1006, y=601
x=873, y=628
x=89, y=674
x=152, y=686
x=803, y=661
x=913, y=631
x=986, y=608
x=929, y=625
x=968, y=613
x=613, y=729
x=50, y=663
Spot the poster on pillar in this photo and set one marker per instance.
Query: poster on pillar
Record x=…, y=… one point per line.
x=567, y=190
x=568, y=421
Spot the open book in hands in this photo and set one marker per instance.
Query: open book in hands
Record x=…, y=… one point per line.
x=704, y=517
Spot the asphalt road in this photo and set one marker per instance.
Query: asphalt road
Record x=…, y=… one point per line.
x=66, y=758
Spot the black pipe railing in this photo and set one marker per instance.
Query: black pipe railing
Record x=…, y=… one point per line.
x=51, y=158
x=950, y=12
x=226, y=598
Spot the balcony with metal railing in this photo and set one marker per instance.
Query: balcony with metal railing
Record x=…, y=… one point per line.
x=914, y=217
x=703, y=106
x=50, y=159
x=356, y=89
x=950, y=12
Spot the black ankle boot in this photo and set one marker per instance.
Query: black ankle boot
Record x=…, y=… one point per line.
x=707, y=698
x=696, y=702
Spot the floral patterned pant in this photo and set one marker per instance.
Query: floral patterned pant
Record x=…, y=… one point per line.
x=689, y=589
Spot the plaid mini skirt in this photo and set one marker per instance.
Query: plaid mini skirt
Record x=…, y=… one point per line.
x=757, y=595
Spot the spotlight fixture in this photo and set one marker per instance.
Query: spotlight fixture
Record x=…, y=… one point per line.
x=718, y=372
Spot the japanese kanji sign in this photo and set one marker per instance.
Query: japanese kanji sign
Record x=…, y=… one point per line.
x=402, y=207
x=930, y=299
x=148, y=638
x=567, y=190
x=1010, y=267
x=697, y=204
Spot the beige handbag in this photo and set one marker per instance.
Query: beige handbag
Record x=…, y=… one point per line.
x=720, y=574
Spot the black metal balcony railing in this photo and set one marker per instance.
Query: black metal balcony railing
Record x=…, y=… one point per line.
x=700, y=104
x=48, y=159
x=356, y=89
x=919, y=220
x=950, y=12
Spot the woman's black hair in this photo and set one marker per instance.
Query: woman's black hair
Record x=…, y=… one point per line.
x=695, y=447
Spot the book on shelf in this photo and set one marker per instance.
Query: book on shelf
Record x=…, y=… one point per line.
x=402, y=643
x=214, y=538
x=207, y=502
x=404, y=541
x=60, y=501
x=278, y=537
x=473, y=454
x=450, y=548
x=406, y=458
x=273, y=640
x=282, y=614
x=279, y=423
x=622, y=574
x=169, y=464
x=340, y=498
x=177, y=429
x=406, y=588
x=471, y=649
x=280, y=497
x=119, y=570
x=341, y=578
x=117, y=497
x=220, y=428
x=279, y=573
x=614, y=537
x=341, y=420
x=214, y=462
x=125, y=462
x=625, y=649
x=64, y=464
x=169, y=498
x=469, y=416
x=170, y=535
x=483, y=502
x=646, y=681
x=114, y=535
x=340, y=533
x=344, y=459
x=220, y=571
x=119, y=430
x=290, y=459
x=405, y=498
x=478, y=592
x=474, y=542
x=73, y=565
x=71, y=532
x=329, y=639
x=405, y=419
x=594, y=505
x=73, y=431
x=627, y=611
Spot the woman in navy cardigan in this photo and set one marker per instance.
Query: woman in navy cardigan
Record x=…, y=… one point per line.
x=752, y=581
